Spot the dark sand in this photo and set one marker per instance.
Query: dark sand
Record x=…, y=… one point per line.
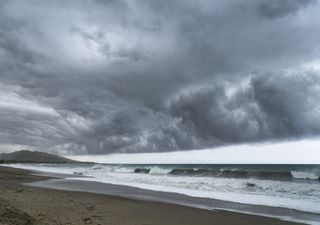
x=24, y=205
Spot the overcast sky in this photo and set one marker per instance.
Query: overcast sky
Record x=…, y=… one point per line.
x=97, y=77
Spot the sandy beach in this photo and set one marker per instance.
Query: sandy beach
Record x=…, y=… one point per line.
x=24, y=205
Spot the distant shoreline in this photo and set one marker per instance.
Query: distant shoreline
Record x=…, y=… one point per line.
x=27, y=156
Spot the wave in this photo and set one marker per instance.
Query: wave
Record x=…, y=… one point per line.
x=227, y=173
x=233, y=173
x=141, y=170
x=305, y=175
x=160, y=170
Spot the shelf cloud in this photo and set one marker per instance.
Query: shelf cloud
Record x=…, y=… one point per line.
x=99, y=77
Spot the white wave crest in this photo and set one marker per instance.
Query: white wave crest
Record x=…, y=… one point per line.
x=159, y=170
x=304, y=175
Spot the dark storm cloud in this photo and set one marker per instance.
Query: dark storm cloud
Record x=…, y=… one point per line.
x=268, y=107
x=130, y=76
x=274, y=8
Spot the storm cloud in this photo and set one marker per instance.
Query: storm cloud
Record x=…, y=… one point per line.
x=95, y=77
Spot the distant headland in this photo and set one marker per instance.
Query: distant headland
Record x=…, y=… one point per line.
x=27, y=156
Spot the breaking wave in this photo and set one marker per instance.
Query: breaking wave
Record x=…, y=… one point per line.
x=305, y=175
x=227, y=173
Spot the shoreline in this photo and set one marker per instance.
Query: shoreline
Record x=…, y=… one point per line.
x=144, y=200
x=130, y=192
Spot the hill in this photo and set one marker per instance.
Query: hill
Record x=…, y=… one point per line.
x=26, y=156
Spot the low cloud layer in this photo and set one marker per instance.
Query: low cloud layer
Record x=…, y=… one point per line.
x=98, y=77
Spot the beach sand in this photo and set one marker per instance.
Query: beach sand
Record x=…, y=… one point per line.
x=24, y=205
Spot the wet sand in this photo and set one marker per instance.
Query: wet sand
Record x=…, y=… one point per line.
x=25, y=205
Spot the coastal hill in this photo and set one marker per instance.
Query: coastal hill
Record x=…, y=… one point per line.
x=26, y=156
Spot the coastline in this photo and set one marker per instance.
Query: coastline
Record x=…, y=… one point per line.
x=48, y=206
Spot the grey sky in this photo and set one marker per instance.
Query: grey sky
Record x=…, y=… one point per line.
x=86, y=77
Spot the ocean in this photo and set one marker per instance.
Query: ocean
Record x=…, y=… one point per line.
x=295, y=187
